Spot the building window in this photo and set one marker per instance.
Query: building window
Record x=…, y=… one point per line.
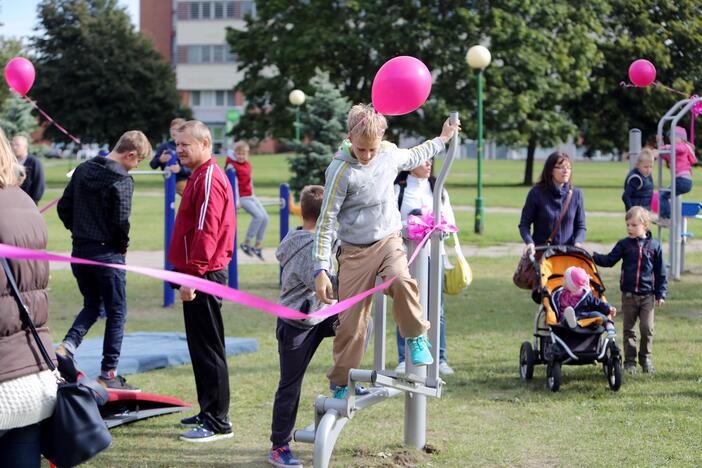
x=198, y=54
x=219, y=98
x=206, y=55
x=230, y=9
x=230, y=99
x=218, y=54
x=195, y=98
x=219, y=10
x=206, y=7
x=194, y=10
x=206, y=10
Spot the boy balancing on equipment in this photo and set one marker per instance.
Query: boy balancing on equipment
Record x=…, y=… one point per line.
x=359, y=194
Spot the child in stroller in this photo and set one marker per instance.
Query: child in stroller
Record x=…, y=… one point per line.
x=574, y=301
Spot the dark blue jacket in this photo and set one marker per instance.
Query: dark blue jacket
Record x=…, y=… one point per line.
x=638, y=190
x=643, y=268
x=588, y=303
x=33, y=183
x=170, y=145
x=543, y=208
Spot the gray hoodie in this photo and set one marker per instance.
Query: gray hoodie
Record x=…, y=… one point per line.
x=362, y=197
x=298, y=290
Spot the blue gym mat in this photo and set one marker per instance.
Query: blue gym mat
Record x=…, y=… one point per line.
x=142, y=352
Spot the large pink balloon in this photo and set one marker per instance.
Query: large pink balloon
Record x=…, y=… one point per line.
x=401, y=86
x=642, y=72
x=19, y=74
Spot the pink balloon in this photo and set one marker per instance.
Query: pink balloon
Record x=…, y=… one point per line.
x=654, y=202
x=19, y=74
x=642, y=73
x=401, y=86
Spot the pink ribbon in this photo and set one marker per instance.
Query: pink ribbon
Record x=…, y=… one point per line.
x=695, y=111
x=51, y=121
x=418, y=227
x=50, y=205
x=206, y=286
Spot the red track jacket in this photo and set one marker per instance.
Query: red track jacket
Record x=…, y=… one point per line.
x=203, y=235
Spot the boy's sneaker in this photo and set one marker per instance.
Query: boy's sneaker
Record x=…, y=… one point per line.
x=246, y=248
x=258, y=252
x=203, y=433
x=283, y=457
x=630, y=368
x=340, y=392
x=648, y=368
x=569, y=317
x=118, y=383
x=191, y=421
x=401, y=368
x=445, y=369
x=419, y=351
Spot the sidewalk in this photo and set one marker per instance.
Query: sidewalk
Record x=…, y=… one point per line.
x=154, y=259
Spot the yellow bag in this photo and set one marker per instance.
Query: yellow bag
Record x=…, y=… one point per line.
x=459, y=277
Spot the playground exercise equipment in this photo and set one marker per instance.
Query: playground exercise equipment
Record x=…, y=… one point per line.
x=331, y=415
x=675, y=237
x=169, y=190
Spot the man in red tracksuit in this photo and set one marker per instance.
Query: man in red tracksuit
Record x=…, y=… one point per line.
x=202, y=245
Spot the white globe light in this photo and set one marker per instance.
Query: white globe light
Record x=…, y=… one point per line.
x=478, y=57
x=296, y=97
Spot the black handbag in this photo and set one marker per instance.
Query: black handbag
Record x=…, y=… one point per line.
x=76, y=432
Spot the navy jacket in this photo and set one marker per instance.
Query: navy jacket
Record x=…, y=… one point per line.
x=643, y=268
x=170, y=145
x=638, y=190
x=587, y=303
x=543, y=208
x=33, y=184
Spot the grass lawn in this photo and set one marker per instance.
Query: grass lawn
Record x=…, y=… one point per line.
x=487, y=416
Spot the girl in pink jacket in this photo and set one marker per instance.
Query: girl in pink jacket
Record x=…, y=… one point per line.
x=684, y=160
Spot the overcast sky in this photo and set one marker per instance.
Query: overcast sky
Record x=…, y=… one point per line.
x=20, y=16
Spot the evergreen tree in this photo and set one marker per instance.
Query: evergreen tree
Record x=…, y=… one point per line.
x=16, y=117
x=323, y=124
x=97, y=76
x=9, y=49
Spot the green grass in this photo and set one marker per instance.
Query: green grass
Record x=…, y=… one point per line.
x=486, y=417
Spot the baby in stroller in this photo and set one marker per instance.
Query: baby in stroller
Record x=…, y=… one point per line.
x=574, y=301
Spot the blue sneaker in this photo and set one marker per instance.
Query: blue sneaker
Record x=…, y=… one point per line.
x=203, y=433
x=191, y=421
x=419, y=351
x=340, y=392
x=283, y=457
x=361, y=390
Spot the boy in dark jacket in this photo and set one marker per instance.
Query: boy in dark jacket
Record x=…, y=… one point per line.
x=95, y=207
x=165, y=158
x=638, y=185
x=643, y=284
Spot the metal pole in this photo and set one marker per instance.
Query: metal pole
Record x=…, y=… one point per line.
x=479, y=211
x=297, y=124
x=233, y=263
x=284, y=218
x=416, y=404
x=169, y=192
x=634, y=146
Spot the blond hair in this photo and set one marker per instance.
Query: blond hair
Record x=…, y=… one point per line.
x=311, y=199
x=646, y=155
x=363, y=121
x=133, y=140
x=241, y=144
x=640, y=214
x=177, y=122
x=198, y=130
x=11, y=171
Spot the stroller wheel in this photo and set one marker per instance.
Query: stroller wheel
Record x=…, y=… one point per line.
x=526, y=361
x=614, y=370
x=553, y=376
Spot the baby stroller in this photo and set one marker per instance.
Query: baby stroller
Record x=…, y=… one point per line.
x=555, y=344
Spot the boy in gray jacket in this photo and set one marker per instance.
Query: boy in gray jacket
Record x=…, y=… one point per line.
x=359, y=194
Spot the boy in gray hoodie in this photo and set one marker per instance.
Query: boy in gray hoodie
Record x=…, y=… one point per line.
x=297, y=339
x=359, y=194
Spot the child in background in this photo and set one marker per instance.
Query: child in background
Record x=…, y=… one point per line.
x=576, y=301
x=643, y=284
x=684, y=160
x=638, y=185
x=359, y=194
x=165, y=157
x=247, y=199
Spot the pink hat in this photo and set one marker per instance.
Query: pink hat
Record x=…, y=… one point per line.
x=576, y=279
x=681, y=133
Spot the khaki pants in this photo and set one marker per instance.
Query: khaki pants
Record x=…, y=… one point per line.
x=358, y=268
x=641, y=308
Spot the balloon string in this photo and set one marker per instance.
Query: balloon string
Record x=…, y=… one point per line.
x=658, y=83
x=51, y=121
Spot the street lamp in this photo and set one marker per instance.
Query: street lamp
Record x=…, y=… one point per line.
x=297, y=98
x=478, y=58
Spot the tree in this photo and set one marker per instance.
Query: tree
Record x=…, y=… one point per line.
x=283, y=47
x=96, y=75
x=543, y=54
x=9, y=49
x=666, y=32
x=323, y=123
x=16, y=117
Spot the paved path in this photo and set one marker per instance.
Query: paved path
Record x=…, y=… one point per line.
x=154, y=259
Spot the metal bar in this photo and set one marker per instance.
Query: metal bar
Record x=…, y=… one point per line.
x=169, y=193
x=233, y=263
x=284, y=217
x=634, y=146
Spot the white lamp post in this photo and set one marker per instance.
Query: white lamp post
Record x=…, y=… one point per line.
x=297, y=98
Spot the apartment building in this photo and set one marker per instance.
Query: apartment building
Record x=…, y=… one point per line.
x=191, y=35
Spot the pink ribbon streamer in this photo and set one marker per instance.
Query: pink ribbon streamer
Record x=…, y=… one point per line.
x=695, y=111
x=419, y=227
x=49, y=206
x=51, y=121
x=206, y=286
